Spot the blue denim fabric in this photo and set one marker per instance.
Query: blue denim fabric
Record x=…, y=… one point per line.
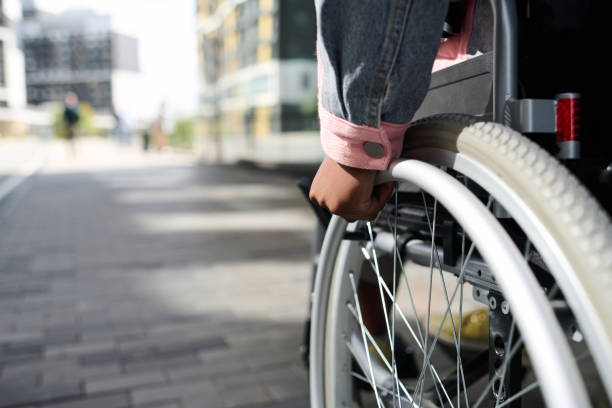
x=377, y=56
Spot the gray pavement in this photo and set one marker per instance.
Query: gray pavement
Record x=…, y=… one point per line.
x=150, y=281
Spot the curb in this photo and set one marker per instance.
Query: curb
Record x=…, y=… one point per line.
x=8, y=185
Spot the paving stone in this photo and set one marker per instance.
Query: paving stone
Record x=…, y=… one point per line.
x=104, y=369
x=25, y=347
x=288, y=388
x=192, y=346
x=17, y=293
x=7, y=357
x=80, y=349
x=288, y=403
x=130, y=336
x=194, y=339
x=22, y=336
x=149, y=351
x=165, y=405
x=17, y=393
x=259, y=377
x=241, y=396
x=48, y=371
x=64, y=371
x=98, y=358
x=205, y=324
x=117, y=333
x=165, y=363
x=256, y=355
x=200, y=390
x=280, y=357
x=123, y=381
x=107, y=401
x=270, y=335
x=56, y=336
x=206, y=370
x=25, y=379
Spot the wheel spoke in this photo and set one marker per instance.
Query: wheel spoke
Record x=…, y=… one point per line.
x=461, y=378
x=534, y=385
x=511, y=336
x=382, y=296
x=433, y=250
x=504, y=366
x=383, y=284
x=451, y=300
x=377, y=348
x=377, y=271
x=364, y=379
x=519, y=394
x=431, y=266
x=373, y=383
x=370, y=338
x=509, y=356
x=435, y=340
x=396, y=377
x=457, y=345
x=397, y=307
x=505, y=369
x=412, y=304
x=417, y=320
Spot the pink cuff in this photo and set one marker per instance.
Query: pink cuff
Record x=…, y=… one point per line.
x=344, y=141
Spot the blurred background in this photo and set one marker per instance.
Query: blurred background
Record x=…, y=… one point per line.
x=154, y=247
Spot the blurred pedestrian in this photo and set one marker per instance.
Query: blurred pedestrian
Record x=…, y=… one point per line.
x=121, y=130
x=158, y=130
x=71, y=118
x=146, y=139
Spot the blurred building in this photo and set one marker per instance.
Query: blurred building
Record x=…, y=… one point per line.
x=257, y=66
x=12, y=83
x=12, y=78
x=76, y=51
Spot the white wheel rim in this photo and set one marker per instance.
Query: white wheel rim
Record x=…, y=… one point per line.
x=564, y=389
x=595, y=334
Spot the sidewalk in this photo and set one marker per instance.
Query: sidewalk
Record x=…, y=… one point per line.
x=133, y=280
x=19, y=157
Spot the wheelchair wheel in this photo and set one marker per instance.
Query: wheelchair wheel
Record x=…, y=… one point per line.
x=541, y=268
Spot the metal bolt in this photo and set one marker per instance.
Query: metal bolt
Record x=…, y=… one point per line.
x=505, y=307
x=501, y=393
x=492, y=303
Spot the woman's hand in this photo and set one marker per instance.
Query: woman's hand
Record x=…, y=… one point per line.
x=349, y=192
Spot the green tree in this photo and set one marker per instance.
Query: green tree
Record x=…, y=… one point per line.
x=183, y=135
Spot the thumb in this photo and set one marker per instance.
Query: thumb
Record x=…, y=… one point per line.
x=380, y=197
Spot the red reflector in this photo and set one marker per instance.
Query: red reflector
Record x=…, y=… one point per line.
x=568, y=117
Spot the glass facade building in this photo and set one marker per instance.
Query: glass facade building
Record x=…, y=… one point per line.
x=257, y=66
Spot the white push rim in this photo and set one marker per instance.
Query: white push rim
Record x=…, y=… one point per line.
x=548, y=346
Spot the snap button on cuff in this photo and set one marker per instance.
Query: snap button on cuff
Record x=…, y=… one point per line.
x=374, y=150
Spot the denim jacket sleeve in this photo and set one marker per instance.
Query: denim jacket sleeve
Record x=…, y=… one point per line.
x=374, y=65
